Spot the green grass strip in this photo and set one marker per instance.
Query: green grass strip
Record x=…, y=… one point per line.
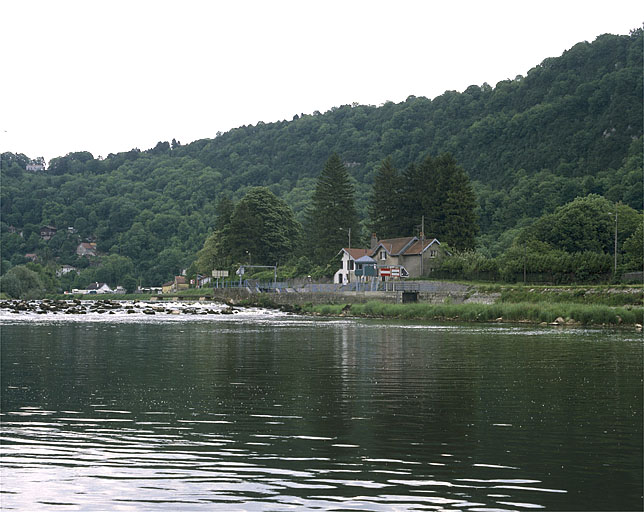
x=584, y=314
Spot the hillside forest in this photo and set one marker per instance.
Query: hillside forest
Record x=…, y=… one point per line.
x=539, y=175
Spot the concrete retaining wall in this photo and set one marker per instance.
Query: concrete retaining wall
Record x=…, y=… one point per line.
x=236, y=295
x=446, y=292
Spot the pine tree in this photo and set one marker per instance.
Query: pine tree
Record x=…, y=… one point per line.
x=332, y=212
x=410, y=192
x=432, y=189
x=385, y=206
x=440, y=191
x=458, y=205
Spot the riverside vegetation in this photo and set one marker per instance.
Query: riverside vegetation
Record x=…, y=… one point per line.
x=615, y=306
x=562, y=313
x=580, y=305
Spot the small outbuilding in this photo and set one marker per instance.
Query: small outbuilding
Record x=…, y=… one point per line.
x=366, y=267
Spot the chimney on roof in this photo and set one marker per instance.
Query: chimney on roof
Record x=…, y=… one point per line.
x=374, y=240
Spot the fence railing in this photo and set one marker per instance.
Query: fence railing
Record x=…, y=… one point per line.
x=374, y=285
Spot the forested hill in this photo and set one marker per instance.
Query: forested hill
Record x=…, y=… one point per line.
x=574, y=115
x=570, y=127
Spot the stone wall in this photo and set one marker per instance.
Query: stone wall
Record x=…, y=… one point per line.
x=438, y=293
x=237, y=295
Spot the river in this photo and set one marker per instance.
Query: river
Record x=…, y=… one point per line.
x=267, y=411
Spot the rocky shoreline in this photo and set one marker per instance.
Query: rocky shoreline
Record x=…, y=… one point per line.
x=111, y=307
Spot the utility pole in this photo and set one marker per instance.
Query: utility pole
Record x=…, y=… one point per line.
x=615, y=266
x=615, y=248
x=348, y=231
x=422, y=242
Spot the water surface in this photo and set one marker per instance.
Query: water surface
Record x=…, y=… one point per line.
x=274, y=412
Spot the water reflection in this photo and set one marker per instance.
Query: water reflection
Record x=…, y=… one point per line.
x=318, y=415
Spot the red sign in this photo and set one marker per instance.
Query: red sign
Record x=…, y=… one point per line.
x=393, y=272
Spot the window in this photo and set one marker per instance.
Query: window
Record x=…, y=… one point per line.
x=433, y=253
x=383, y=255
x=351, y=264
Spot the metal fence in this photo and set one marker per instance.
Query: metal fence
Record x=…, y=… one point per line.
x=375, y=285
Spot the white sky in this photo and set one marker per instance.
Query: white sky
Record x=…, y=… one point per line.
x=109, y=75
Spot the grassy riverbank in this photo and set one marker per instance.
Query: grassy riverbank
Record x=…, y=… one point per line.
x=561, y=313
x=590, y=295
x=573, y=305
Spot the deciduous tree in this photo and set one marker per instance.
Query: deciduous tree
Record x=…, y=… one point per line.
x=261, y=229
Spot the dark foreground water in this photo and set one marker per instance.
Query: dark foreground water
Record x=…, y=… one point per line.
x=281, y=413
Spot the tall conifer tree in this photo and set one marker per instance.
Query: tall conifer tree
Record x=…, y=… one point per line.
x=332, y=212
x=458, y=204
x=385, y=206
x=440, y=191
x=411, y=191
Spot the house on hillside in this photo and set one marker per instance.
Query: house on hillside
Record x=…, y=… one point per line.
x=405, y=256
x=65, y=269
x=31, y=256
x=202, y=281
x=178, y=284
x=47, y=232
x=15, y=231
x=152, y=289
x=86, y=249
x=35, y=167
x=98, y=288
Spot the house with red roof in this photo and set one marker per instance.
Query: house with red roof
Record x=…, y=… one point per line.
x=395, y=257
x=86, y=249
x=346, y=274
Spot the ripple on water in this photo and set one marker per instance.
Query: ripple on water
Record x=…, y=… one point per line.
x=308, y=414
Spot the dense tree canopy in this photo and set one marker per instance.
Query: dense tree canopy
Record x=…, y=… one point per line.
x=263, y=226
x=585, y=224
